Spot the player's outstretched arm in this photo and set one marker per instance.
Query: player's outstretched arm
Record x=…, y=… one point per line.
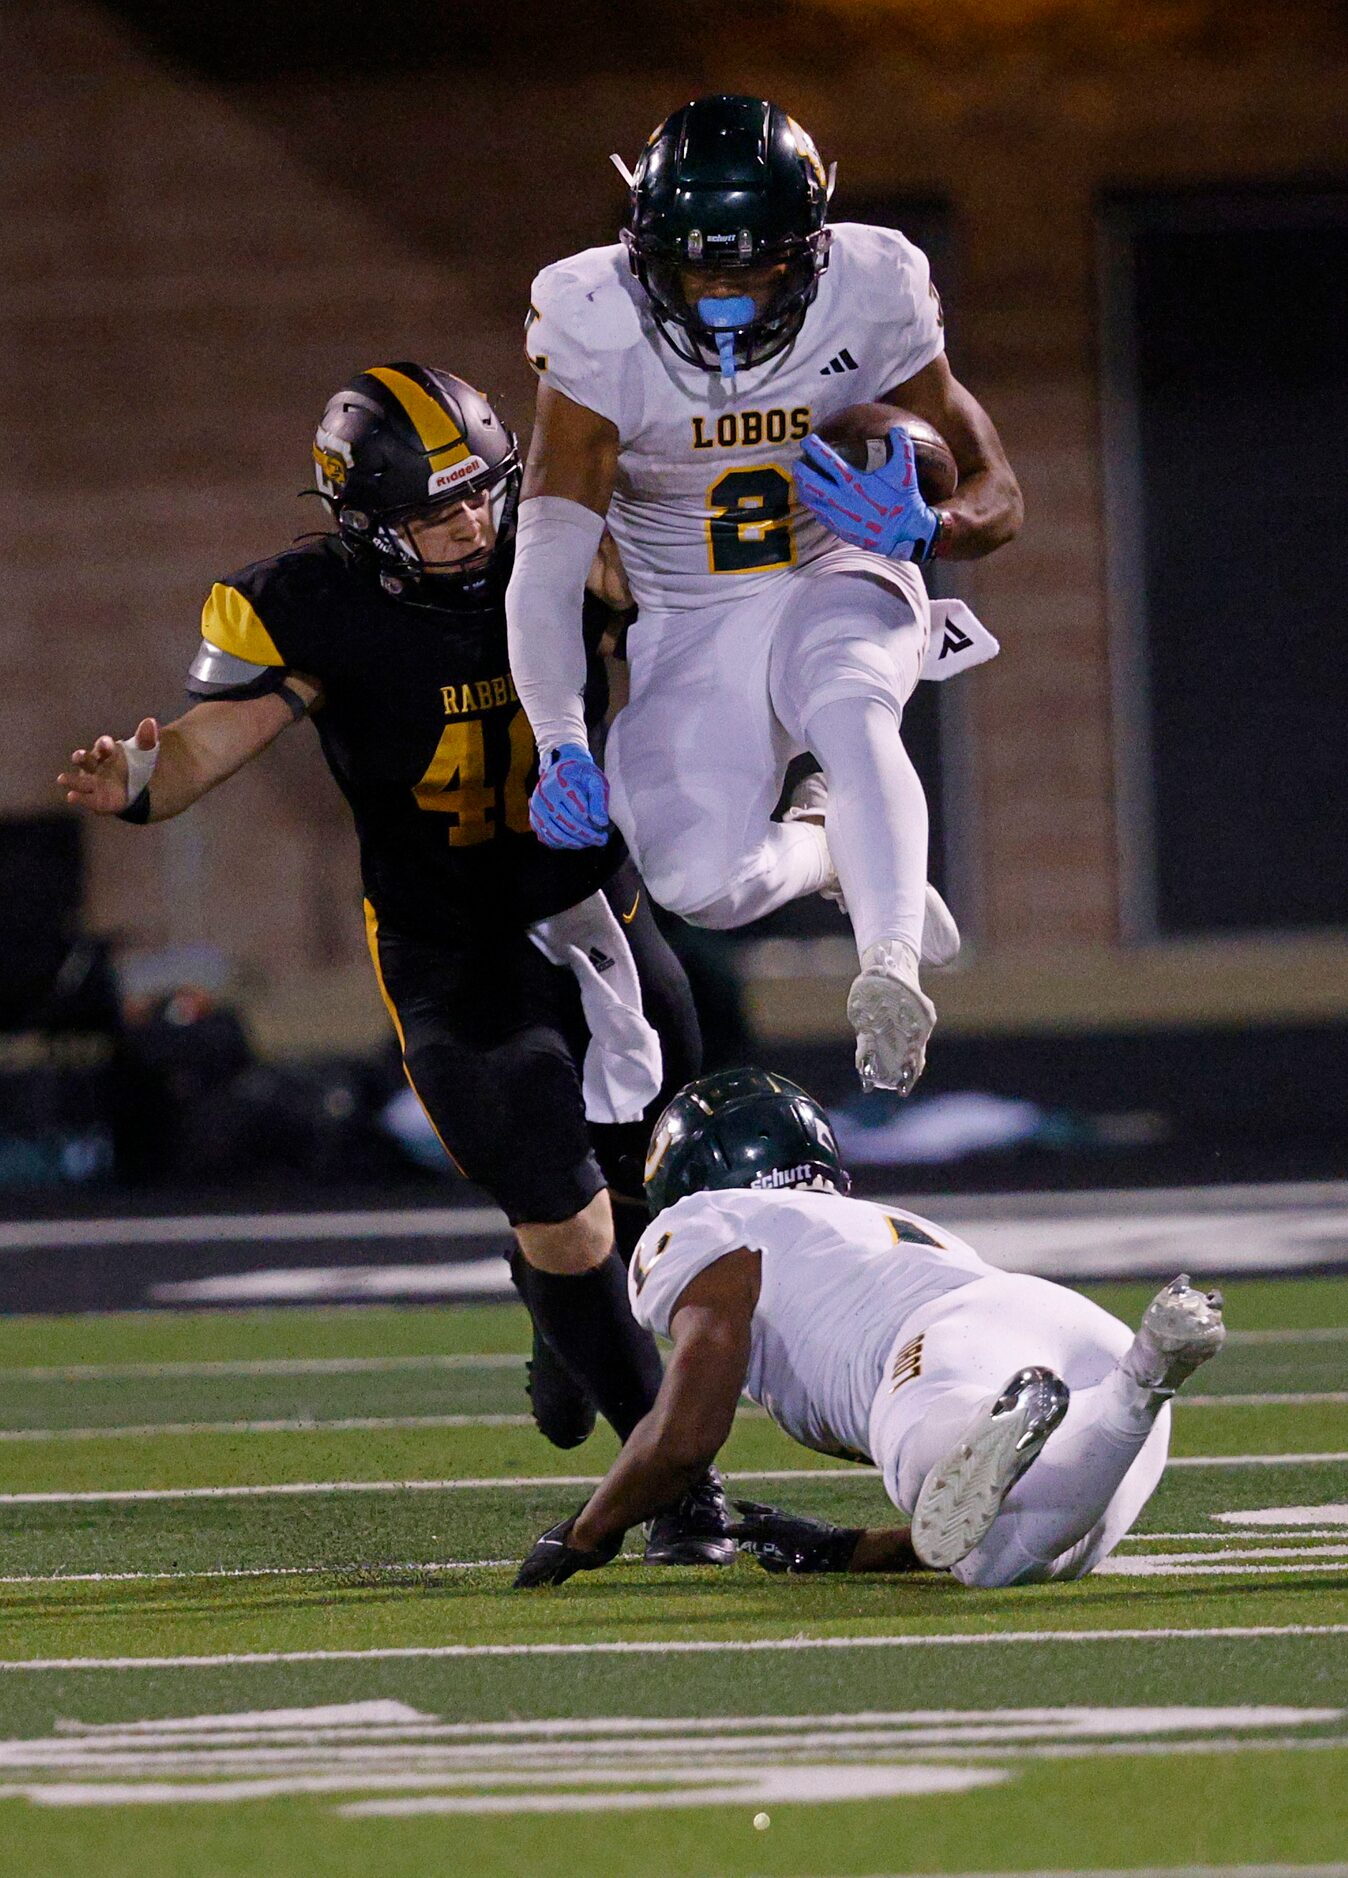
x=567, y=485
x=161, y=773
x=683, y=1433
x=987, y=508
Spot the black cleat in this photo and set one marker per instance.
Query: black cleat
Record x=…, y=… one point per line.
x=694, y=1531
x=563, y=1409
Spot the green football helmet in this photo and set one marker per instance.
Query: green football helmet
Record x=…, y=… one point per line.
x=728, y=185
x=741, y=1128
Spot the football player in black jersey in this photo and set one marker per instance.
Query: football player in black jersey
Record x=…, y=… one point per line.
x=390, y=632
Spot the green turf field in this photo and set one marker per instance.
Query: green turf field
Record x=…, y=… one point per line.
x=255, y=1569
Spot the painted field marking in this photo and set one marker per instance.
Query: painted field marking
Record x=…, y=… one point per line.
x=374, y=1424
x=383, y=1749
x=1154, y=1871
x=1292, y=1398
x=1140, y=1536
x=682, y=1647
x=1254, y=1460
x=96, y=1495
x=433, y=1222
x=265, y=1571
x=252, y=1366
x=1174, y=1565
x=1332, y=1515
x=86, y=1496
x=1136, y=1565
x=1331, y=1335
x=465, y=1279
x=346, y=1425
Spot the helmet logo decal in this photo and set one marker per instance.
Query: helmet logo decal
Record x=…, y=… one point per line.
x=442, y=479
x=805, y=144
x=332, y=460
x=659, y=1148
x=787, y=1176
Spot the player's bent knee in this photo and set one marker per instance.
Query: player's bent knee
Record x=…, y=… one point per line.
x=570, y=1246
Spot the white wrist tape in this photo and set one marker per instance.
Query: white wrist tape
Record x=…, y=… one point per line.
x=555, y=543
x=140, y=765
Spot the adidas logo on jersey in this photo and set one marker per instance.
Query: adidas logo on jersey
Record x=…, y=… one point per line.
x=841, y=362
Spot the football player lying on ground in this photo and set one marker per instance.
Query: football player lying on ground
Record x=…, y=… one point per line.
x=529, y=988
x=1021, y=1427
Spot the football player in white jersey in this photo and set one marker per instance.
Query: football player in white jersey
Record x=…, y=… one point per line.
x=684, y=372
x=1020, y=1427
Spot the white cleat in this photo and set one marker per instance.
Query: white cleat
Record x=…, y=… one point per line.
x=892, y=1017
x=1180, y=1330
x=963, y=1494
x=940, y=934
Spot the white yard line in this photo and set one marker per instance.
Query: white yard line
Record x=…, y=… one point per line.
x=1303, y=1398
x=1334, y=1335
x=1136, y=1565
x=88, y=1496
x=1174, y=1565
x=1246, y=1551
x=348, y=1424
x=440, y=1222
x=367, y=1424
x=258, y=1571
x=253, y=1366
x=684, y=1647
x=395, y=1486
x=1254, y=1460
x=1235, y=1537
x=1156, y=1871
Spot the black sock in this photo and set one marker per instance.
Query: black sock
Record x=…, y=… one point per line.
x=630, y=1220
x=587, y=1319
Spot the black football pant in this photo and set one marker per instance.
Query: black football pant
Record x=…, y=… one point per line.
x=493, y=1038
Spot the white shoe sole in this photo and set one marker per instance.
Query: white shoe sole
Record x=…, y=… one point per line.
x=962, y=1496
x=893, y=1021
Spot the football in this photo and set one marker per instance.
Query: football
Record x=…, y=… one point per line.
x=859, y=436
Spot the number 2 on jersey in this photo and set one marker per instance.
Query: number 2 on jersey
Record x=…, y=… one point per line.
x=751, y=526
x=456, y=781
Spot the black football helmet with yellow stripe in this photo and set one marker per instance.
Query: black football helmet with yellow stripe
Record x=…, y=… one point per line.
x=728, y=187
x=741, y=1128
x=403, y=442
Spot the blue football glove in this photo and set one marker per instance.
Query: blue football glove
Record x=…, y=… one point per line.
x=569, y=807
x=880, y=509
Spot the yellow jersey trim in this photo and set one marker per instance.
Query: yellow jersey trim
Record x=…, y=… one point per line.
x=228, y=621
x=372, y=940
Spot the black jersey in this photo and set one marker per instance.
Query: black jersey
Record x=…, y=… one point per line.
x=422, y=729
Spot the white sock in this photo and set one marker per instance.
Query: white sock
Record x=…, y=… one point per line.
x=877, y=819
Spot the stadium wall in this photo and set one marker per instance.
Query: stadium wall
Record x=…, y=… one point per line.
x=209, y=260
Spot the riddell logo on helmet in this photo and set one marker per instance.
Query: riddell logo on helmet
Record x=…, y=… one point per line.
x=784, y=1176
x=460, y=472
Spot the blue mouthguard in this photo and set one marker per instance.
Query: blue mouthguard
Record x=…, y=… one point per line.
x=724, y=316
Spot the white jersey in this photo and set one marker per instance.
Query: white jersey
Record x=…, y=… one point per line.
x=840, y=1279
x=704, y=505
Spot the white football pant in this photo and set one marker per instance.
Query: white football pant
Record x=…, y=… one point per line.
x=723, y=696
x=1097, y=1471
